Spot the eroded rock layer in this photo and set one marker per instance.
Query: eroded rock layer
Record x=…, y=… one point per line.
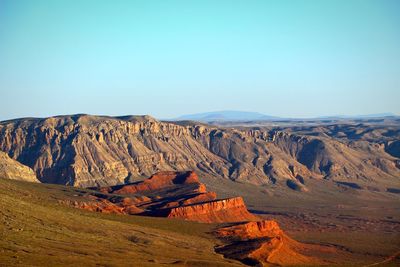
x=216, y=211
x=168, y=194
x=84, y=151
x=264, y=243
x=12, y=169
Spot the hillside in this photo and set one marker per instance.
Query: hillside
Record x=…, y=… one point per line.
x=12, y=169
x=37, y=230
x=83, y=150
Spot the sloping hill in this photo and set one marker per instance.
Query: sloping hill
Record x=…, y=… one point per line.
x=36, y=230
x=83, y=150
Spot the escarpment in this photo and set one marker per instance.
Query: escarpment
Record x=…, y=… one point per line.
x=12, y=169
x=168, y=194
x=264, y=243
x=87, y=151
x=216, y=211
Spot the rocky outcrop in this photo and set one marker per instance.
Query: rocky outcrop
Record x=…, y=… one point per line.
x=85, y=151
x=97, y=204
x=264, y=243
x=157, y=181
x=168, y=194
x=217, y=211
x=12, y=169
x=251, y=230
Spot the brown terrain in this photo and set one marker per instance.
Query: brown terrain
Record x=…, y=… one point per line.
x=12, y=169
x=180, y=195
x=263, y=242
x=168, y=194
x=83, y=150
x=333, y=186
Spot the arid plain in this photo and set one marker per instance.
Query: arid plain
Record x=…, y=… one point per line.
x=316, y=192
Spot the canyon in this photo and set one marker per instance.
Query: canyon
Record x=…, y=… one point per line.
x=325, y=183
x=87, y=151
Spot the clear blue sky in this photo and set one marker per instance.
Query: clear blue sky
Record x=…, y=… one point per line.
x=167, y=58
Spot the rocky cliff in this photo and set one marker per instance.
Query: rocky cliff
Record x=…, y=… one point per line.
x=264, y=243
x=83, y=150
x=217, y=211
x=168, y=194
x=12, y=169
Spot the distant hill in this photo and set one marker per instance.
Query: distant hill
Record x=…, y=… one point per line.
x=365, y=116
x=235, y=116
x=226, y=115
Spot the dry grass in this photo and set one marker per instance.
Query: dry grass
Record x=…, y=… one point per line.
x=37, y=231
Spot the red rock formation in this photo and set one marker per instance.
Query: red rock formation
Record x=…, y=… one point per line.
x=204, y=197
x=157, y=181
x=251, y=230
x=105, y=206
x=171, y=195
x=217, y=211
x=264, y=243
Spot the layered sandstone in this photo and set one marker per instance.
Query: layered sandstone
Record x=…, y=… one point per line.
x=168, y=194
x=264, y=243
x=12, y=169
x=83, y=150
x=157, y=181
x=217, y=211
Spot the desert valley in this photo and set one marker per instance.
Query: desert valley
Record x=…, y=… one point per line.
x=199, y=133
x=305, y=193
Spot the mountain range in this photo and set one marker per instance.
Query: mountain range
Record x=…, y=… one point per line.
x=133, y=190
x=235, y=115
x=84, y=150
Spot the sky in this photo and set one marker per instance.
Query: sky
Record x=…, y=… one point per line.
x=168, y=58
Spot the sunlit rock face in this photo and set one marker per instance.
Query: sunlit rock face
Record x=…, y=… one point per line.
x=264, y=243
x=178, y=195
x=12, y=169
x=87, y=151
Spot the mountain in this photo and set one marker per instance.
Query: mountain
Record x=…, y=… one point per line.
x=12, y=169
x=85, y=151
x=227, y=115
x=365, y=116
x=243, y=116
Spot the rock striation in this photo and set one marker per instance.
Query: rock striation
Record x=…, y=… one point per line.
x=264, y=243
x=216, y=211
x=168, y=194
x=86, y=151
x=157, y=181
x=12, y=169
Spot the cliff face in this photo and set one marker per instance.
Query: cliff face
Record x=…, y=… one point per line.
x=251, y=230
x=12, y=169
x=264, y=243
x=86, y=151
x=217, y=211
x=157, y=181
x=168, y=194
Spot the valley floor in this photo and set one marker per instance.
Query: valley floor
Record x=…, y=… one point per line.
x=37, y=230
x=365, y=224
